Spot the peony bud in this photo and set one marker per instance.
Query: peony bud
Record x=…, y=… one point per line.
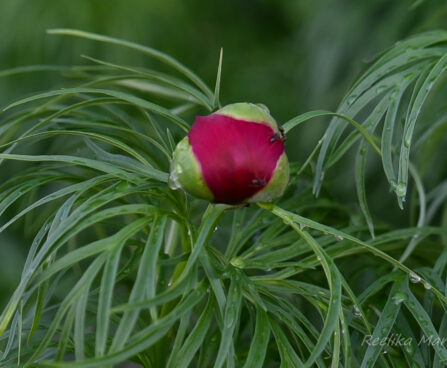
x=235, y=155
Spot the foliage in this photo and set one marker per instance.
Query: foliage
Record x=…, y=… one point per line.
x=124, y=268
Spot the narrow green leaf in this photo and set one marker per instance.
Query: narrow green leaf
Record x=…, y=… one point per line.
x=312, y=114
x=141, y=340
x=75, y=188
x=194, y=340
x=144, y=283
x=214, y=279
x=260, y=340
x=79, y=326
x=385, y=324
x=82, y=286
x=422, y=210
x=352, y=105
x=147, y=50
x=231, y=317
x=426, y=325
x=100, y=137
x=65, y=334
x=216, y=99
x=93, y=164
x=289, y=358
x=107, y=288
x=388, y=131
x=94, y=248
x=334, y=281
x=116, y=94
x=416, y=107
x=40, y=303
x=336, y=348
x=342, y=235
x=169, y=80
x=360, y=184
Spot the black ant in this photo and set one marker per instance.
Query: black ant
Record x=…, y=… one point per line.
x=259, y=182
x=281, y=135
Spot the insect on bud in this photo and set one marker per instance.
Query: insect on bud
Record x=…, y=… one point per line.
x=235, y=155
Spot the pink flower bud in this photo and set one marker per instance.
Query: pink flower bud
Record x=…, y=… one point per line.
x=235, y=155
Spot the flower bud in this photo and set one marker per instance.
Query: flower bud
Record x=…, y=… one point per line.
x=235, y=155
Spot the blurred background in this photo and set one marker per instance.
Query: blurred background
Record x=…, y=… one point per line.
x=291, y=55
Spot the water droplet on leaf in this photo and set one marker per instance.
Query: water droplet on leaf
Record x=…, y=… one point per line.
x=238, y=262
x=173, y=181
x=414, y=278
x=356, y=312
x=399, y=297
x=400, y=189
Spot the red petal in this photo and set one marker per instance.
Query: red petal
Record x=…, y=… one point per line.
x=237, y=157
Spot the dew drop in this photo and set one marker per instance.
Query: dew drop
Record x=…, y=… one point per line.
x=238, y=262
x=427, y=285
x=356, y=311
x=400, y=189
x=230, y=322
x=339, y=237
x=414, y=278
x=173, y=181
x=399, y=297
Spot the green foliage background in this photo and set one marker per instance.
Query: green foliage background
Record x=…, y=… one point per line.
x=293, y=56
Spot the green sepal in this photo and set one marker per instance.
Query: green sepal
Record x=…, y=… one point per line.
x=251, y=112
x=277, y=184
x=186, y=172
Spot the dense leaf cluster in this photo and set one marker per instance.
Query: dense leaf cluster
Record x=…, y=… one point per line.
x=124, y=268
